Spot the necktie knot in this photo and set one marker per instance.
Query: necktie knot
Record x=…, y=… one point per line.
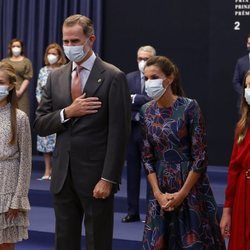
x=79, y=69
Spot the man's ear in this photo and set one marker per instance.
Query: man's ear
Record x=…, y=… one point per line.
x=92, y=39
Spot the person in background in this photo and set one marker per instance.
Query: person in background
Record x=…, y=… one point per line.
x=138, y=98
x=15, y=163
x=235, y=221
x=87, y=104
x=241, y=67
x=181, y=209
x=53, y=58
x=24, y=72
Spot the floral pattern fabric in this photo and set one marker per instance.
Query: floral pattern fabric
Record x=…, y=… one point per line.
x=45, y=144
x=15, y=172
x=174, y=143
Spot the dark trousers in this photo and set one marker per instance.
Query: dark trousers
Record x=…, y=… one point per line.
x=71, y=209
x=134, y=168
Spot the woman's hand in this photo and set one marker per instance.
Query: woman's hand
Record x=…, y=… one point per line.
x=225, y=223
x=12, y=213
x=18, y=94
x=174, y=200
x=162, y=198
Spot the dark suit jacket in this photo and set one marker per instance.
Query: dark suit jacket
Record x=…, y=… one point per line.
x=93, y=145
x=242, y=66
x=134, y=85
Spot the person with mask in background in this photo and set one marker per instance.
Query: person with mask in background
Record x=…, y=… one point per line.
x=53, y=58
x=181, y=209
x=24, y=70
x=241, y=67
x=87, y=104
x=138, y=98
x=235, y=221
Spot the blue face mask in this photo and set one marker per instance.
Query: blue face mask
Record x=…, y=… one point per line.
x=4, y=92
x=247, y=95
x=154, y=88
x=75, y=53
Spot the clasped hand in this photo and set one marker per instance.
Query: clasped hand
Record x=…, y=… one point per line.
x=169, y=202
x=82, y=106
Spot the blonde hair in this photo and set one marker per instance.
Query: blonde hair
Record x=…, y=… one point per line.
x=243, y=123
x=12, y=99
x=61, y=58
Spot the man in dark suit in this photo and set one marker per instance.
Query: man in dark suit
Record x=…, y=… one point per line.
x=138, y=97
x=87, y=103
x=242, y=66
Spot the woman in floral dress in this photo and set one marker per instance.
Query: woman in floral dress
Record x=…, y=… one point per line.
x=53, y=58
x=15, y=163
x=181, y=209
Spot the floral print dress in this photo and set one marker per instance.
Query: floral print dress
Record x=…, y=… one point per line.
x=174, y=144
x=15, y=172
x=45, y=144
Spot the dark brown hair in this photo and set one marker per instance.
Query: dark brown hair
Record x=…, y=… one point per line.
x=10, y=46
x=168, y=68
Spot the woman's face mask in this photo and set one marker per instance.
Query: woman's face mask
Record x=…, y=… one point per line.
x=4, y=92
x=16, y=51
x=154, y=88
x=247, y=95
x=52, y=59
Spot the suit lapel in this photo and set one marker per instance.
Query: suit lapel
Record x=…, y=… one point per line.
x=95, y=79
x=66, y=82
x=138, y=83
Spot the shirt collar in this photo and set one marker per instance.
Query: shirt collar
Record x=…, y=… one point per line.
x=88, y=64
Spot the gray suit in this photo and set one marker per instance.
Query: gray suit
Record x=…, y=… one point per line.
x=87, y=148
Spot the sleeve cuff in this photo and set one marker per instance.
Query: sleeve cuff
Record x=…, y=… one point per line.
x=133, y=98
x=109, y=181
x=62, y=117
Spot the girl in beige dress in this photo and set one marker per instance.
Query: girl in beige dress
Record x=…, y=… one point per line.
x=24, y=72
x=15, y=163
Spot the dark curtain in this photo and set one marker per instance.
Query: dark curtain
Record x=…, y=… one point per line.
x=38, y=23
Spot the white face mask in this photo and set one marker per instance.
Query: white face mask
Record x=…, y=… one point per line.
x=52, y=59
x=154, y=88
x=16, y=51
x=247, y=95
x=4, y=92
x=141, y=65
x=75, y=53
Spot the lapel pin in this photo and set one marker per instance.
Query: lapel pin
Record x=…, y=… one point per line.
x=99, y=80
